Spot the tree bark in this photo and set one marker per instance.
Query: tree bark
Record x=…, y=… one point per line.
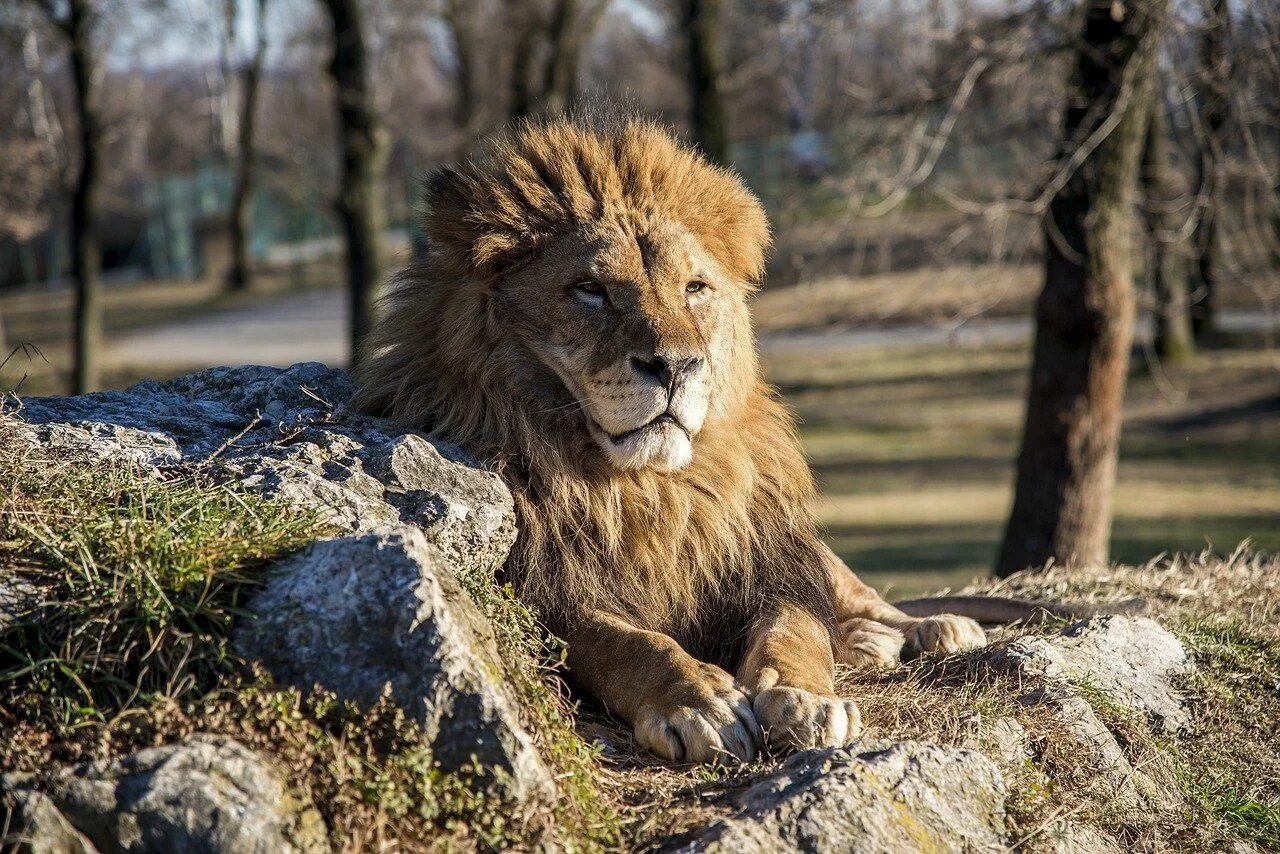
x=85, y=260
x=702, y=29
x=572, y=26
x=242, y=190
x=359, y=201
x=468, y=108
x=1214, y=80
x=1169, y=261
x=1084, y=315
x=524, y=21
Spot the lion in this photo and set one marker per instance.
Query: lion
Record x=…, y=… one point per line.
x=580, y=322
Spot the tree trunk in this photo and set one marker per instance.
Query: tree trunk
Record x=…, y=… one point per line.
x=1169, y=261
x=467, y=106
x=523, y=91
x=84, y=245
x=1084, y=316
x=560, y=75
x=242, y=191
x=571, y=29
x=1214, y=79
x=359, y=202
x=702, y=29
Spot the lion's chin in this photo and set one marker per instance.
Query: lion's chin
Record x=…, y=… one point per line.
x=662, y=447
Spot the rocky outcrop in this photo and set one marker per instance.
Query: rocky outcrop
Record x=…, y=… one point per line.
x=382, y=612
x=1133, y=661
x=287, y=434
x=885, y=797
x=206, y=795
x=378, y=610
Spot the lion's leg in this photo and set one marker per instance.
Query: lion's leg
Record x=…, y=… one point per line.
x=684, y=710
x=860, y=611
x=789, y=673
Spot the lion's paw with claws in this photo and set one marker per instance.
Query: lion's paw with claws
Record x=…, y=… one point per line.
x=796, y=719
x=945, y=633
x=707, y=719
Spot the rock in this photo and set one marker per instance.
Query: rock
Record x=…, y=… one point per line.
x=1007, y=740
x=374, y=612
x=1094, y=758
x=207, y=794
x=884, y=797
x=1069, y=837
x=1132, y=661
x=287, y=434
x=31, y=824
x=20, y=601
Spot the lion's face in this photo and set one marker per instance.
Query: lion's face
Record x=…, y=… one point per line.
x=641, y=326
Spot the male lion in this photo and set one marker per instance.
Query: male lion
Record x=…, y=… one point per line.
x=580, y=321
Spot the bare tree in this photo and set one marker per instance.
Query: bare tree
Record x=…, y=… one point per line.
x=1084, y=315
x=1168, y=260
x=558, y=33
x=1215, y=61
x=522, y=17
x=359, y=204
x=701, y=20
x=572, y=25
x=469, y=113
x=242, y=189
x=77, y=20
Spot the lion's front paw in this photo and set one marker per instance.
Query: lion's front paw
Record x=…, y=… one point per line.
x=705, y=720
x=945, y=633
x=867, y=645
x=795, y=719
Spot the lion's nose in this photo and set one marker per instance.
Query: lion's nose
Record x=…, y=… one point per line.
x=666, y=370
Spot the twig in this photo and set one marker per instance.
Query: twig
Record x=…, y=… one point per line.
x=257, y=419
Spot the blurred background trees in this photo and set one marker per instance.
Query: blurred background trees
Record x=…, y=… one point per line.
x=911, y=155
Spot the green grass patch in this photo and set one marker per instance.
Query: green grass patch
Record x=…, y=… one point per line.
x=1228, y=772
x=147, y=576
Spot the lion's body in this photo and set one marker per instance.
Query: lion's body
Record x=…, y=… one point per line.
x=654, y=504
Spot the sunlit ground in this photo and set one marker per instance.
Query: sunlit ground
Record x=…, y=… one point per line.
x=913, y=451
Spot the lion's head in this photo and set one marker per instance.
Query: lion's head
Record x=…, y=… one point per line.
x=614, y=266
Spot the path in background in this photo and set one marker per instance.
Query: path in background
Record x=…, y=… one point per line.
x=305, y=327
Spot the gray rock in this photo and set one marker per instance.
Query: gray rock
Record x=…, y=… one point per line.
x=1097, y=761
x=381, y=612
x=31, y=824
x=287, y=434
x=20, y=600
x=1069, y=837
x=883, y=797
x=1132, y=661
x=207, y=794
x=1006, y=740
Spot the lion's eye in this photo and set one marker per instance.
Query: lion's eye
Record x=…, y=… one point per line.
x=589, y=292
x=695, y=286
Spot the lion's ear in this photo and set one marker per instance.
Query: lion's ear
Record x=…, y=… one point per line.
x=466, y=217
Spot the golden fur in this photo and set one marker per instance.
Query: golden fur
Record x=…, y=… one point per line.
x=660, y=548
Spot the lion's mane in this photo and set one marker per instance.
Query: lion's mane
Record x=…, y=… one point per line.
x=690, y=553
